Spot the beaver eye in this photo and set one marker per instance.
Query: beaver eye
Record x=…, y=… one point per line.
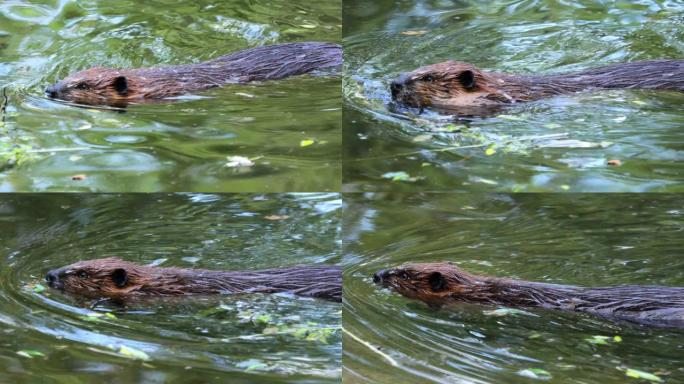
x=81, y=86
x=403, y=275
x=82, y=274
x=428, y=78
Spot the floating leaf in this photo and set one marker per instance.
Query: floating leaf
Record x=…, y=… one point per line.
x=276, y=217
x=620, y=119
x=565, y=187
x=397, y=176
x=238, y=161
x=617, y=339
x=133, y=353
x=414, y=33
x=421, y=138
x=598, y=340
x=535, y=373
x=637, y=374
x=639, y=102
x=30, y=353
x=308, y=26
x=39, y=288
x=263, y=319
x=306, y=142
x=490, y=151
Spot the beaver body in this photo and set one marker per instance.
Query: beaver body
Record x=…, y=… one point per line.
x=459, y=87
x=118, y=279
x=439, y=284
x=118, y=87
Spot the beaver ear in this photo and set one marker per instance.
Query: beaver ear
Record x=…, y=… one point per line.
x=437, y=282
x=120, y=85
x=120, y=277
x=467, y=79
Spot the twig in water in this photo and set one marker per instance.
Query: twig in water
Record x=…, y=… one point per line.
x=372, y=348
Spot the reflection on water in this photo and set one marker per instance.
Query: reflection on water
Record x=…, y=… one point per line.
x=560, y=144
x=179, y=146
x=247, y=338
x=585, y=240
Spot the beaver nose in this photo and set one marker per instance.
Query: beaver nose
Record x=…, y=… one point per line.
x=397, y=84
x=380, y=276
x=51, y=92
x=52, y=279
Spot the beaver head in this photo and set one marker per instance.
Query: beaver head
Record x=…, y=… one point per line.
x=433, y=283
x=450, y=85
x=110, y=277
x=93, y=86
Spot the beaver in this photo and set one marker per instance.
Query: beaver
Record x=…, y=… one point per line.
x=439, y=284
x=118, y=87
x=113, y=278
x=459, y=87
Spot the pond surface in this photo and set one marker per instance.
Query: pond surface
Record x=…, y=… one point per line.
x=562, y=144
x=176, y=146
x=52, y=338
x=590, y=240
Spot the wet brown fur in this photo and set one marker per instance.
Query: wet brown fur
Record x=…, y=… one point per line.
x=118, y=279
x=439, y=284
x=455, y=86
x=119, y=87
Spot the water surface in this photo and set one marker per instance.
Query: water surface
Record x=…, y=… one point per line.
x=52, y=338
x=590, y=240
x=561, y=144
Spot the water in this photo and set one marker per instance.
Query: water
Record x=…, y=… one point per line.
x=241, y=338
x=560, y=144
x=589, y=240
x=177, y=146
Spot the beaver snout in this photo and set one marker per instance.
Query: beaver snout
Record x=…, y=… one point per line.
x=53, y=281
x=380, y=277
x=398, y=84
x=52, y=91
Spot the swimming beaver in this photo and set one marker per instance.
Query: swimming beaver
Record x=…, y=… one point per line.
x=118, y=87
x=440, y=284
x=459, y=87
x=118, y=279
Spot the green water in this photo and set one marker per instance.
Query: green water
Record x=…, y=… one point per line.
x=560, y=144
x=215, y=339
x=589, y=240
x=179, y=146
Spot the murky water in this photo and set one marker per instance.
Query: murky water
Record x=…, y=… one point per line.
x=589, y=240
x=562, y=144
x=179, y=146
x=50, y=337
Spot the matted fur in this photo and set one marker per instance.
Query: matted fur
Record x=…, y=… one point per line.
x=439, y=284
x=98, y=279
x=119, y=87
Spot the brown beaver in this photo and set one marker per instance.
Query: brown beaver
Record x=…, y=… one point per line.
x=440, y=284
x=459, y=87
x=118, y=87
x=119, y=280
